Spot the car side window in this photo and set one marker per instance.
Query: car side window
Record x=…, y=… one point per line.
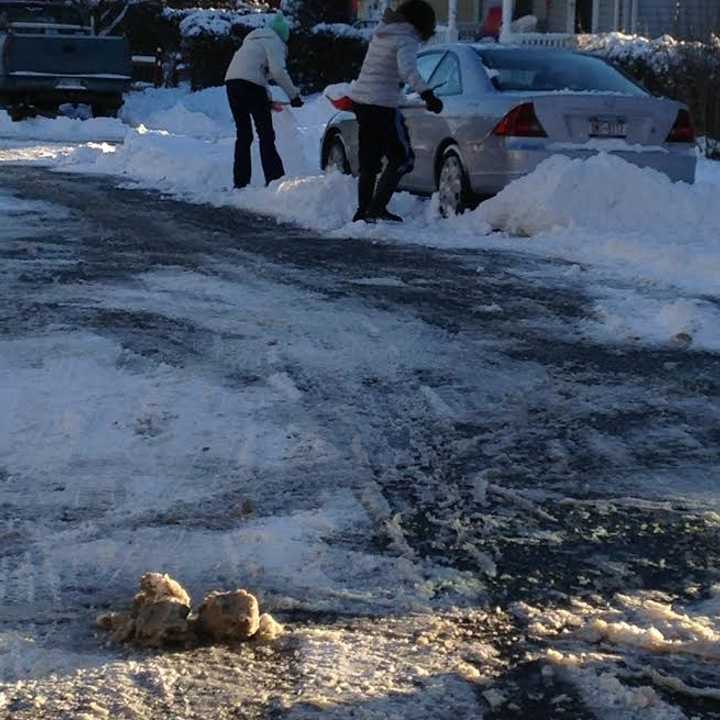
x=447, y=79
x=427, y=63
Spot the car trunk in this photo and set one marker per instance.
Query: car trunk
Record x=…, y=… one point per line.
x=62, y=56
x=579, y=118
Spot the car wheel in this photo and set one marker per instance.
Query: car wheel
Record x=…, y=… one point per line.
x=453, y=187
x=18, y=113
x=337, y=157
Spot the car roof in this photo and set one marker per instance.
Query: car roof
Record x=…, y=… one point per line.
x=498, y=47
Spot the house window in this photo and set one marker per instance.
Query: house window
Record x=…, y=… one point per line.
x=583, y=16
x=523, y=7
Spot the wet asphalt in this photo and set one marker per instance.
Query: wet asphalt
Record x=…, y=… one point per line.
x=667, y=546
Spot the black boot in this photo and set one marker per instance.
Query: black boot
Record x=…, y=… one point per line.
x=383, y=193
x=387, y=216
x=366, y=189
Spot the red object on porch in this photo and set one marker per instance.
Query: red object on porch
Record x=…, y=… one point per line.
x=493, y=22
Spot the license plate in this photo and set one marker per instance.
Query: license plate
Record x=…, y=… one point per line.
x=603, y=128
x=69, y=84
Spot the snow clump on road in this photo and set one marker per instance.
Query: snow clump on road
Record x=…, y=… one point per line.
x=160, y=616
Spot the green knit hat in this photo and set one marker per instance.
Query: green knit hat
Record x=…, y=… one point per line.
x=280, y=26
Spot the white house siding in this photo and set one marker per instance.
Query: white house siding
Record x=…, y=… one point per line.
x=607, y=15
x=683, y=18
x=557, y=17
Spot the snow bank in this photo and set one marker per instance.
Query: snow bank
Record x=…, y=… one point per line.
x=62, y=129
x=178, y=111
x=607, y=211
x=603, y=193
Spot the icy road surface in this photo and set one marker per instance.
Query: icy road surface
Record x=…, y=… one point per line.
x=458, y=502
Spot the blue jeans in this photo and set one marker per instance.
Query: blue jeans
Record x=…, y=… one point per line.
x=249, y=101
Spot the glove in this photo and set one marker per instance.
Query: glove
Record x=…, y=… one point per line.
x=433, y=103
x=297, y=102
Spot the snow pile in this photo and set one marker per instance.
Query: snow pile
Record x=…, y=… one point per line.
x=62, y=129
x=603, y=192
x=204, y=114
x=631, y=216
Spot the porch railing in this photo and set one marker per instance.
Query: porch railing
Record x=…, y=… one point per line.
x=557, y=40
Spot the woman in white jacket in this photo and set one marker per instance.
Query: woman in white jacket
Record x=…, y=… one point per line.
x=262, y=56
x=391, y=60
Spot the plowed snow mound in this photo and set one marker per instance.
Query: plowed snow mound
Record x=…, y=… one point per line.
x=604, y=193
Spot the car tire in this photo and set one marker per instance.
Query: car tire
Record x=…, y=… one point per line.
x=455, y=196
x=18, y=113
x=336, y=157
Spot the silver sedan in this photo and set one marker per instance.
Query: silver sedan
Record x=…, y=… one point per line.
x=509, y=108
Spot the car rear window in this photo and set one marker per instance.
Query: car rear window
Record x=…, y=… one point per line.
x=553, y=71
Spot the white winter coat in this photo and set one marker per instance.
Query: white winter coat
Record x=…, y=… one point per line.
x=262, y=57
x=390, y=62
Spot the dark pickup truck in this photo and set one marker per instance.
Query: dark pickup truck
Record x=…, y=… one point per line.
x=49, y=56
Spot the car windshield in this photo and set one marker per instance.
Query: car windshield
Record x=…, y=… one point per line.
x=520, y=70
x=41, y=14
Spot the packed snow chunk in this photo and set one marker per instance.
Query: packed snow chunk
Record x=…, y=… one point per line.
x=604, y=193
x=229, y=616
x=158, y=617
x=269, y=629
x=162, y=623
x=155, y=588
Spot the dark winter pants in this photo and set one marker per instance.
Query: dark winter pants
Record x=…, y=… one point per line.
x=248, y=100
x=382, y=134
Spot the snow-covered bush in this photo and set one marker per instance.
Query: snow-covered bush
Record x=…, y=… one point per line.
x=317, y=56
x=683, y=70
x=208, y=38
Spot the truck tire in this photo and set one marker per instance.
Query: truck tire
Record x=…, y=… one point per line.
x=21, y=112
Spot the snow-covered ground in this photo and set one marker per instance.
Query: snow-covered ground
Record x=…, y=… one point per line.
x=144, y=411
x=652, y=248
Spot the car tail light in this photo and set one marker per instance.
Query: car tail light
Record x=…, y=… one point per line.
x=683, y=130
x=521, y=121
x=343, y=103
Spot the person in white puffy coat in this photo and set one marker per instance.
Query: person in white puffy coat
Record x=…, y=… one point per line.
x=262, y=57
x=391, y=61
